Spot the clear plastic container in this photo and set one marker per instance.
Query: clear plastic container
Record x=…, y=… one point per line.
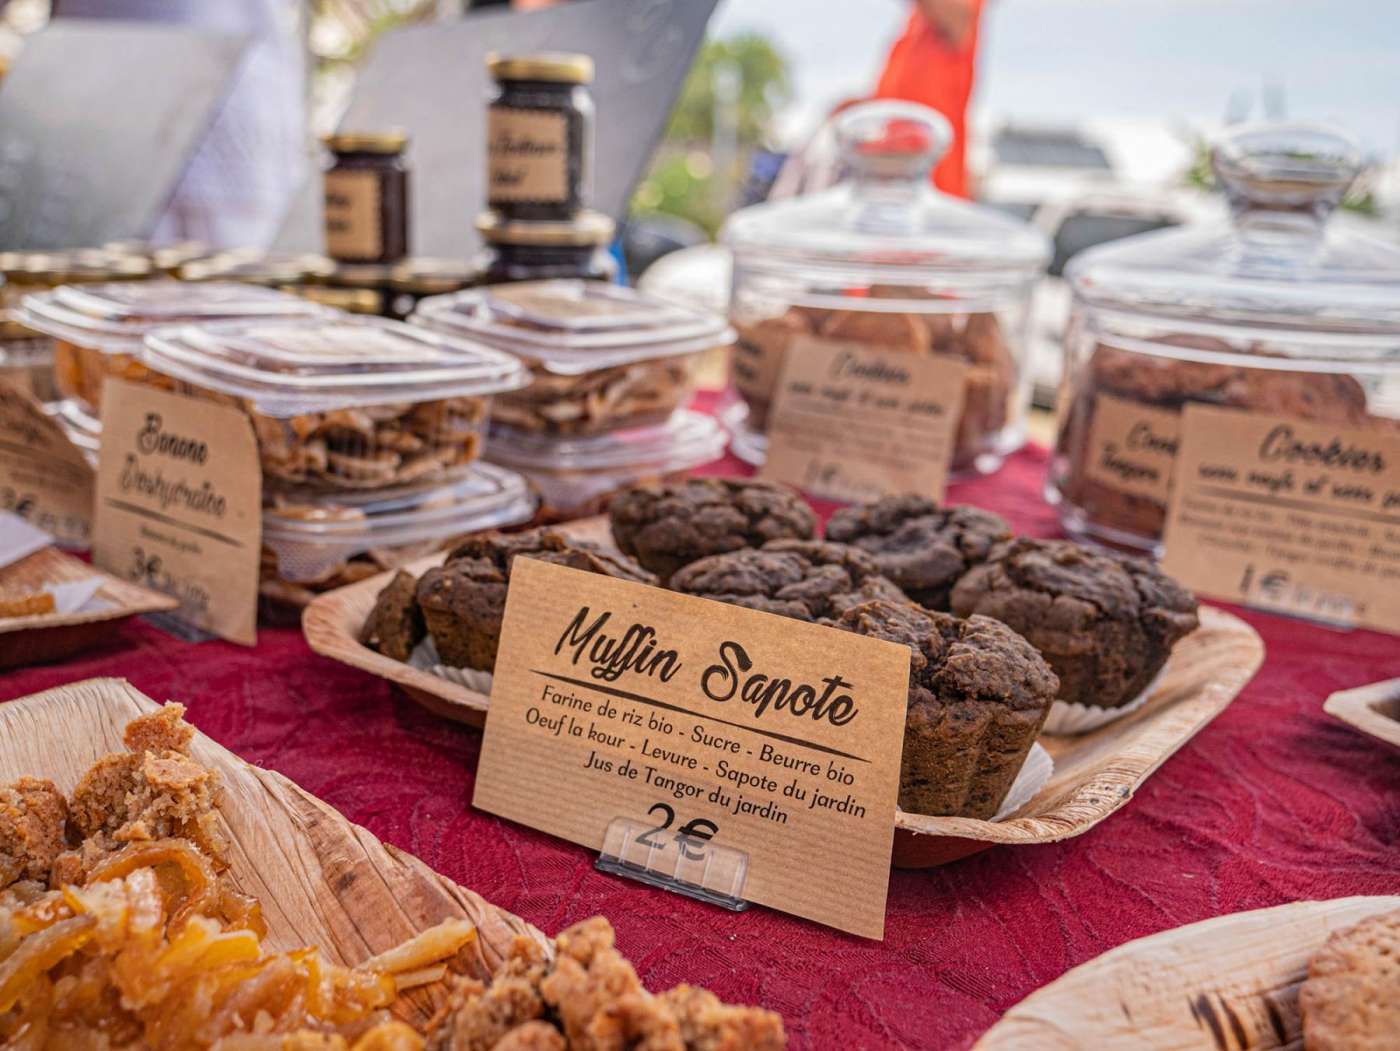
x=576, y=477
x=1286, y=309
x=883, y=259
x=97, y=329
x=602, y=358
x=312, y=544
x=342, y=402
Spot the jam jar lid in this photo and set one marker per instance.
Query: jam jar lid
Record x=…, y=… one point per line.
x=389, y=141
x=1282, y=261
x=427, y=275
x=555, y=67
x=270, y=269
x=587, y=228
x=571, y=327
x=686, y=439
x=115, y=316
x=311, y=534
x=885, y=223
x=287, y=367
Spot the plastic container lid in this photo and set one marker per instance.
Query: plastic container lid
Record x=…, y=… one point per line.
x=573, y=472
x=1282, y=261
x=885, y=223
x=289, y=367
x=114, y=317
x=573, y=327
x=313, y=535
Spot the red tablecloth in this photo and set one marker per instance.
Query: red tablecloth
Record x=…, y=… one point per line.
x=1273, y=802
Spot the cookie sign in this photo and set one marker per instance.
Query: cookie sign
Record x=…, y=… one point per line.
x=851, y=422
x=714, y=728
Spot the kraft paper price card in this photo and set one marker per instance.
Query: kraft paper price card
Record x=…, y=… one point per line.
x=716, y=727
x=179, y=504
x=850, y=422
x=1286, y=515
x=44, y=477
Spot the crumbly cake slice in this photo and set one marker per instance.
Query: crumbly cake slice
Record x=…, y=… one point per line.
x=33, y=817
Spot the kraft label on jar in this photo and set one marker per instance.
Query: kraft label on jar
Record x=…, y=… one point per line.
x=1289, y=516
x=354, y=200
x=850, y=423
x=1132, y=447
x=179, y=505
x=527, y=155
x=682, y=734
x=44, y=477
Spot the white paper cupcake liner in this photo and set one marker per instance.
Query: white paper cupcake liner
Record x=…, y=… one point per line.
x=425, y=658
x=1035, y=772
x=1081, y=718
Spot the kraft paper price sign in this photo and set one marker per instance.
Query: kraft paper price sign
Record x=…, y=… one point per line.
x=851, y=422
x=1287, y=515
x=44, y=477
x=179, y=504
x=714, y=726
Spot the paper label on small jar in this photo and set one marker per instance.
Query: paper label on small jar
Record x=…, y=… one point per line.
x=527, y=155
x=179, y=504
x=1132, y=446
x=354, y=202
x=44, y=477
x=1290, y=516
x=850, y=422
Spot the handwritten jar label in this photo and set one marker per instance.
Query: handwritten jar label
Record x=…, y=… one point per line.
x=44, y=478
x=527, y=155
x=1132, y=447
x=353, y=206
x=850, y=422
x=1290, y=516
x=758, y=734
x=179, y=504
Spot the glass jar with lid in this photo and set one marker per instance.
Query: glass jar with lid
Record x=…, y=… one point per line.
x=366, y=197
x=884, y=260
x=542, y=251
x=1285, y=309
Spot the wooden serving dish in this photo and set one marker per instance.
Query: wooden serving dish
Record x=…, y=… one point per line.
x=54, y=636
x=321, y=879
x=1373, y=709
x=1227, y=984
x=1095, y=774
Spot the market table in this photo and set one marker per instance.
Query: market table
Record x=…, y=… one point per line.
x=1271, y=803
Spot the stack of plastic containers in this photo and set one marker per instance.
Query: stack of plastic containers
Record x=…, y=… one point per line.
x=610, y=369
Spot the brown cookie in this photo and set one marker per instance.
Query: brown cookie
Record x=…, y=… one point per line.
x=464, y=599
x=1351, y=998
x=978, y=694
x=808, y=580
x=395, y=624
x=922, y=547
x=1106, y=623
x=665, y=527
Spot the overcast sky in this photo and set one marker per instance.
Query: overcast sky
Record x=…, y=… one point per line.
x=1174, y=61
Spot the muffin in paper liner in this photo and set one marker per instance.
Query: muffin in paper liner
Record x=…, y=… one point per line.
x=1066, y=718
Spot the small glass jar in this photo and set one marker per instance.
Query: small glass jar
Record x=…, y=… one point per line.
x=416, y=279
x=371, y=281
x=1282, y=310
x=539, y=136
x=520, y=251
x=366, y=197
x=884, y=261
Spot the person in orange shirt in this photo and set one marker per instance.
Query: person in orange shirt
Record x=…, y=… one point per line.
x=934, y=62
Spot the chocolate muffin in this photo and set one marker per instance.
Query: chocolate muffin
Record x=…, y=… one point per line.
x=1106, y=623
x=665, y=527
x=464, y=599
x=808, y=580
x=978, y=694
x=920, y=546
x=395, y=624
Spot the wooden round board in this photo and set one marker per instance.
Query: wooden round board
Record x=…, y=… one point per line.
x=321, y=879
x=1095, y=773
x=1227, y=984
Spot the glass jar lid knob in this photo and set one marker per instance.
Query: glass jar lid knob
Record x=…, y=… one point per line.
x=890, y=139
x=1285, y=167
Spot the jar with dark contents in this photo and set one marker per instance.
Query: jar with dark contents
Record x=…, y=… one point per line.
x=416, y=279
x=539, y=136
x=366, y=198
x=541, y=251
